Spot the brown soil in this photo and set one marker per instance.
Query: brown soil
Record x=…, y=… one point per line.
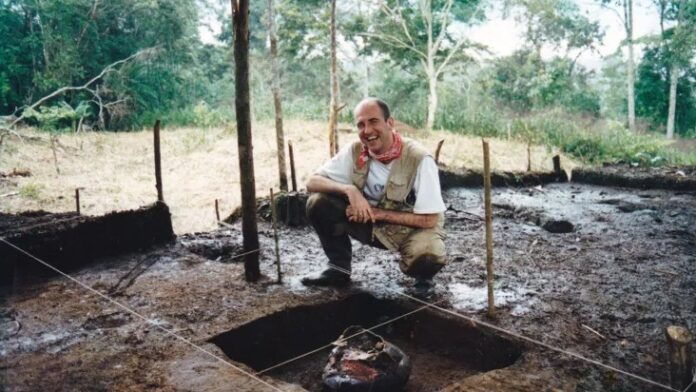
x=605, y=290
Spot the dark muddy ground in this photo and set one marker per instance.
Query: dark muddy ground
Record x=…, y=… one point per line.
x=605, y=290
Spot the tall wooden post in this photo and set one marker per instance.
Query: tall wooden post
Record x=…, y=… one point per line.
x=681, y=360
x=217, y=212
x=77, y=200
x=557, y=165
x=240, y=21
x=274, y=221
x=489, y=227
x=158, y=162
x=292, y=166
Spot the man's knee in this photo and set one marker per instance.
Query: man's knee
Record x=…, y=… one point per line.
x=323, y=205
x=423, y=254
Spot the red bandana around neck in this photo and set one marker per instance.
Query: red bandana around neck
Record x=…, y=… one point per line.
x=392, y=153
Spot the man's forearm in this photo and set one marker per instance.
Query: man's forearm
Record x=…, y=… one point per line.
x=422, y=221
x=322, y=184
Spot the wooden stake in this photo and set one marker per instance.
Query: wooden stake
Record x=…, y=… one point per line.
x=292, y=166
x=437, y=151
x=557, y=165
x=55, y=156
x=158, y=162
x=274, y=220
x=529, y=156
x=681, y=360
x=217, y=212
x=77, y=200
x=489, y=227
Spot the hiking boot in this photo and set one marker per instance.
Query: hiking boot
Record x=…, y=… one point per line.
x=328, y=278
x=423, y=289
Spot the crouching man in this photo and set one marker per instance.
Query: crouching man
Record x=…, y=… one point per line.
x=382, y=190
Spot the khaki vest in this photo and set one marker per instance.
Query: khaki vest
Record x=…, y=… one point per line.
x=398, y=191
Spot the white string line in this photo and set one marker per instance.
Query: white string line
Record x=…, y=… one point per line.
x=527, y=339
x=227, y=225
x=342, y=340
x=147, y=320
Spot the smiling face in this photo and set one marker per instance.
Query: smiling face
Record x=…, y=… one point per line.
x=375, y=132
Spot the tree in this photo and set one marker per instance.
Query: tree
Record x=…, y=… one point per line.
x=681, y=47
x=558, y=24
x=424, y=32
x=627, y=21
x=240, y=22
x=275, y=88
x=523, y=81
x=335, y=91
x=653, y=85
x=51, y=44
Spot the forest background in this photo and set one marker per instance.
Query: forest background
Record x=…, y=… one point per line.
x=126, y=63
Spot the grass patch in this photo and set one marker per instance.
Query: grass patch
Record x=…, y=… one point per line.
x=30, y=191
x=589, y=140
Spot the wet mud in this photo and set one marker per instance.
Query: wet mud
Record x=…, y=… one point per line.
x=605, y=288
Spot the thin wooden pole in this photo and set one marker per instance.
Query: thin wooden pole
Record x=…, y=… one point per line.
x=681, y=360
x=77, y=200
x=489, y=227
x=274, y=221
x=217, y=212
x=292, y=166
x=437, y=151
x=158, y=162
x=529, y=156
x=557, y=165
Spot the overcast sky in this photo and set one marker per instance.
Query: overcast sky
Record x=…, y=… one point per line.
x=503, y=36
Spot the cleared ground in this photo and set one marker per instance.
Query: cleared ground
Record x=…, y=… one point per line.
x=116, y=170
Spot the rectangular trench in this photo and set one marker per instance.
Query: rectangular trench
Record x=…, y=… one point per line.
x=443, y=349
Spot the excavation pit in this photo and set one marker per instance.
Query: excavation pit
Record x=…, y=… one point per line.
x=443, y=349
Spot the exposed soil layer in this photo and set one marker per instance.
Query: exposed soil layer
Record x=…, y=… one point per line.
x=676, y=178
x=605, y=284
x=442, y=348
x=71, y=241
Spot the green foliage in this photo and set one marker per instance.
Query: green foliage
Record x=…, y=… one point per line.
x=652, y=90
x=30, y=191
x=51, y=44
x=60, y=116
x=558, y=23
x=524, y=82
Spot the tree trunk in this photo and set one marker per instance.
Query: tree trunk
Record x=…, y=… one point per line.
x=630, y=72
x=426, y=10
x=673, y=80
x=333, y=106
x=432, y=101
x=240, y=21
x=275, y=87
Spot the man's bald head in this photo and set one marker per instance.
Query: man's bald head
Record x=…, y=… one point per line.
x=374, y=101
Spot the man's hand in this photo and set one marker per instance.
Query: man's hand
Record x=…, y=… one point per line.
x=359, y=210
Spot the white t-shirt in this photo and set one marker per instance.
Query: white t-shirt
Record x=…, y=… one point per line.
x=426, y=185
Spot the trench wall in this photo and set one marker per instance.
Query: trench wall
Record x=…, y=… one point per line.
x=72, y=242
